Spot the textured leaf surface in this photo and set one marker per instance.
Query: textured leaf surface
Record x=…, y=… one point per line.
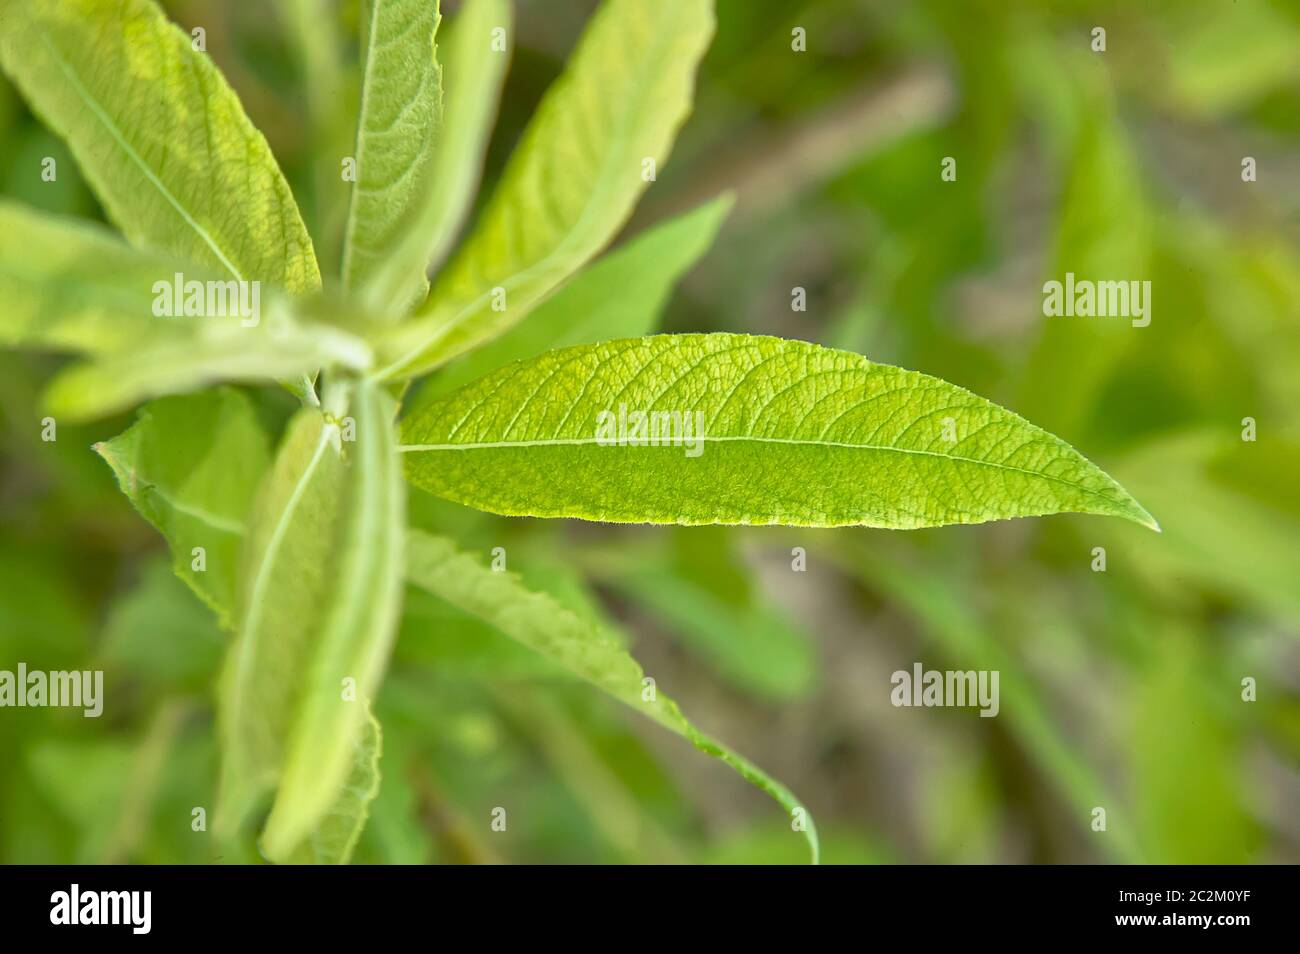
x=619, y=296
x=574, y=178
x=578, y=645
x=334, y=840
x=397, y=133
x=192, y=465
x=472, y=77
x=792, y=433
x=319, y=605
x=159, y=134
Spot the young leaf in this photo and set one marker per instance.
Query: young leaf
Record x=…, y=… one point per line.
x=472, y=77
x=358, y=620
x=319, y=608
x=397, y=132
x=723, y=428
x=333, y=842
x=159, y=134
x=210, y=350
x=191, y=465
x=287, y=571
x=619, y=296
x=578, y=645
x=73, y=285
x=582, y=164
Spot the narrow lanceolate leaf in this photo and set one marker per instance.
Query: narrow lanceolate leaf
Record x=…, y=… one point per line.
x=358, y=619
x=219, y=349
x=319, y=607
x=159, y=134
x=600, y=132
x=151, y=324
x=191, y=465
x=722, y=428
x=70, y=285
x=619, y=296
x=473, y=71
x=336, y=837
x=397, y=134
x=577, y=645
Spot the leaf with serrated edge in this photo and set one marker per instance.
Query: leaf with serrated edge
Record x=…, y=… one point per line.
x=336, y=837
x=159, y=134
x=191, y=466
x=572, y=181
x=578, y=645
x=780, y=432
x=397, y=135
x=472, y=76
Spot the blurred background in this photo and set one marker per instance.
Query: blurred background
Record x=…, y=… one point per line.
x=1120, y=689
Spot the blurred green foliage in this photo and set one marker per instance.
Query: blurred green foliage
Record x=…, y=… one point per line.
x=1120, y=689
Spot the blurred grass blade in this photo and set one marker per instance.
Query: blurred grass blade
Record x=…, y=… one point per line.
x=750, y=647
x=942, y=607
x=767, y=431
x=159, y=134
x=579, y=646
x=472, y=76
x=572, y=181
x=398, y=132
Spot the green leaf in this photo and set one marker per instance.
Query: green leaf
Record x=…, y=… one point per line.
x=573, y=180
x=159, y=134
x=313, y=31
x=191, y=465
x=397, y=133
x=619, y=296
x=333, y=842
x=472, y=76
x=287, y=570
x=210, y=350
x=580, y=646
x=319, y=607
x=755, y=430
x=71, y=285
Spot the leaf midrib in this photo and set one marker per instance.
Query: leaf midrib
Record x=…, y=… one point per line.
x=258, y=591
x=99, y=113
x=741, y=438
